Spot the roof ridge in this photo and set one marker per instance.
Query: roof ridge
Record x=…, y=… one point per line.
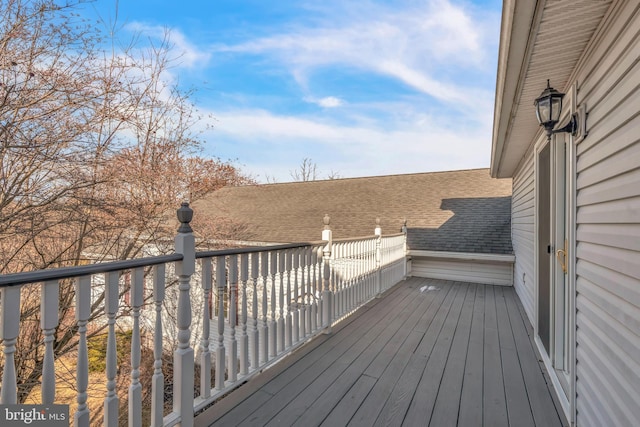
x=365, y=177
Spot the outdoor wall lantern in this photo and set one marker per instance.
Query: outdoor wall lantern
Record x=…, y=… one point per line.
x=548, y=109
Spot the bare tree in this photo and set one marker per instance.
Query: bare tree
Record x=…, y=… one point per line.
x=307, y=171
x=96, y=149
x=334, y=175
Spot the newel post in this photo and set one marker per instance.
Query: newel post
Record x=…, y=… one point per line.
x=378, y=233
x=327, y=303
x=183, y=371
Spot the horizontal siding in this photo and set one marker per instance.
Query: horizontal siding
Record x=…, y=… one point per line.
x=492, y=273
x=608, y=228
x=522, y=232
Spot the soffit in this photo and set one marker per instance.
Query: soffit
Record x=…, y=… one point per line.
x=557, y=36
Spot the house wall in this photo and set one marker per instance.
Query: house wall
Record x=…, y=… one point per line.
x=608, y=226
x=607, y=253
x=522, y=234
x=475, y=271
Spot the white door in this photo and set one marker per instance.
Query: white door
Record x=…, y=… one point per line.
x=553, y=286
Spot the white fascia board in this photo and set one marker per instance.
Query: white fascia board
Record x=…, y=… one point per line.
x=519, y=24
x=467, y=256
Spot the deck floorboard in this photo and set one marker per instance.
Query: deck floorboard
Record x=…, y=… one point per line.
x=427, y=352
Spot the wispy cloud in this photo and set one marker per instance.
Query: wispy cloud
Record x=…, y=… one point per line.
x=350, y=150
x=326, y=102
x=414, y=45
x=187, y=54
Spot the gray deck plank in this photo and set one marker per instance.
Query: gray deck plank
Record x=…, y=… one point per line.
x=422, y=405
x=307, y=367
x=445, y=411
x=458, y=356
x=470, y=411
x=371, y=407
x=518, y=407
x=494, y=401
x=349, y=403
x=372, y=362
x=318, y=375
x=359, y=356
x=542, y=406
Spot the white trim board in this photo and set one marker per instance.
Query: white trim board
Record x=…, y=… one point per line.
x=468, y=256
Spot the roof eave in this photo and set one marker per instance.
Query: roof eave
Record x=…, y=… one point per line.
x=517, y=35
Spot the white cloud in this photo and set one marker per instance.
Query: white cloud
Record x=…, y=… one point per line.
x=326, y=102
x=415, y=45
x=350, y=150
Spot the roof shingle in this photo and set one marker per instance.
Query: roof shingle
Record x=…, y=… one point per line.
x=458, y=211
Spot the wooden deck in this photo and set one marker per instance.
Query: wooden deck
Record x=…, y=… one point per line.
x=460, y=354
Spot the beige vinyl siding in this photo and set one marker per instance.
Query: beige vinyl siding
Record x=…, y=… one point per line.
x=486, y=272
x=522, y=234
x=608, y=227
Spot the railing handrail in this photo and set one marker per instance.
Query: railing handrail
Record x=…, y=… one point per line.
x=37, y=276
x=254, y=249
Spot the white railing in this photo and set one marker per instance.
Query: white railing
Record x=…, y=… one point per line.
x=255, y=306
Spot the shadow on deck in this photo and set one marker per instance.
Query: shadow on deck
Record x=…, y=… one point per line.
x=457, y=354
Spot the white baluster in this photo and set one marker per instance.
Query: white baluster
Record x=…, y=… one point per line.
x=83, y=311
x=111, y=401
x=326, y=292
x=281, y=332
x=9, y=330
x=288, y=338
x=309, y=267
x=254, y=346
x=183, y=363
x=263, y=330
x=135, y=389
x=221, y=282
x=273, y=336
x=314, y=289
x=232, y=367
x=296, y=310
x=49, y=300
x=337, y=280
x=157, y=381
x=300, y=299
x=244, y=338
x=205, y=353
x=378, y=233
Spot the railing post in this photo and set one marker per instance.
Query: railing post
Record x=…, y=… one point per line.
x=326, y=291
x=183, y=371
x=378, y=233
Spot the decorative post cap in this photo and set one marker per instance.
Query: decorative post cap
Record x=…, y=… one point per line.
x=378, y=230
x=404, y=225
x=326, y=220
x=185, y=215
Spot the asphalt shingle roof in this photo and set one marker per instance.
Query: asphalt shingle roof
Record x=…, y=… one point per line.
x=456, y=211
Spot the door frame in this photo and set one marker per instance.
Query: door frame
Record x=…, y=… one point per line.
x=566, y=387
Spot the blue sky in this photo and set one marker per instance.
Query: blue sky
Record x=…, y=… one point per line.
x=360, y=87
